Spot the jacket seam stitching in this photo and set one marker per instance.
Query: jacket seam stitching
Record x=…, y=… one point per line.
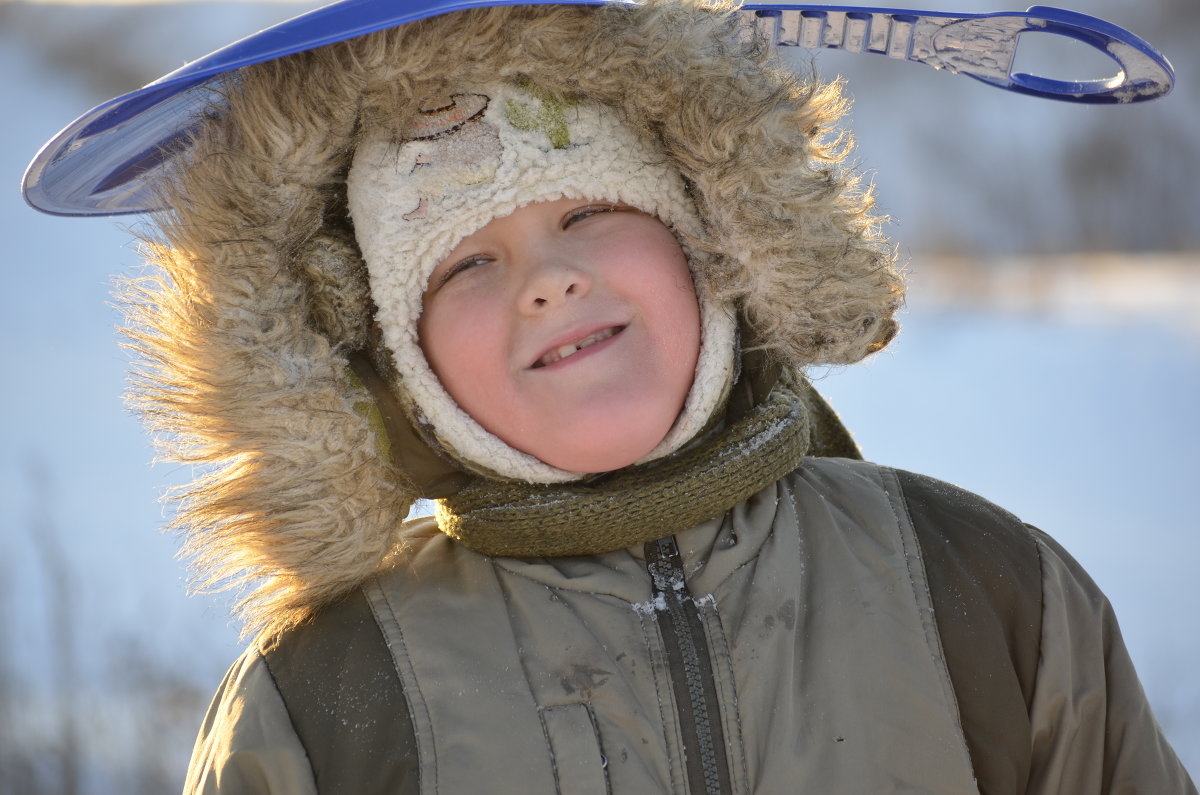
x=1037, y=545
x=508, y=603
x=716, y=635
x=420, y=697
x=541, y=711
x=291, y=720
x=591, y=716
x=932, y=634
x=656, y=654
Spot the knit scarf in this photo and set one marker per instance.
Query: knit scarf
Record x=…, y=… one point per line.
x=637, y=504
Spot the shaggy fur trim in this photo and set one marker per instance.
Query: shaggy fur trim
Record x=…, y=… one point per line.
x=261, y=297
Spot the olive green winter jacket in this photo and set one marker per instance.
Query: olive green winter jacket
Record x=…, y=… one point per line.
x=850, y=629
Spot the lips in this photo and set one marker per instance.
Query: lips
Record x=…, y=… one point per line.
x=560, y=352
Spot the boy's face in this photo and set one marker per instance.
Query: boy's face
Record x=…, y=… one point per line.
x=505, y=311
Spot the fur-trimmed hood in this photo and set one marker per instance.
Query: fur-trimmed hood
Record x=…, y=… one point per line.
x=263, y=296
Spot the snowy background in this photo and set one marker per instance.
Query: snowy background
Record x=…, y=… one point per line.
x=1050, y=361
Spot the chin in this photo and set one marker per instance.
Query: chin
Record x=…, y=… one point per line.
x=592, y=466
x=600, y=457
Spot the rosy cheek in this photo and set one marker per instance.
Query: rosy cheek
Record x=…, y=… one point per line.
x=456, y=340
x=436, y=340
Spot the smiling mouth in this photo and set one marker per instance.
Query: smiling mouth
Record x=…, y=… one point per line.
x=563, y=351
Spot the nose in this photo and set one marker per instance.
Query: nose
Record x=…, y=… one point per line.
x=551, y=282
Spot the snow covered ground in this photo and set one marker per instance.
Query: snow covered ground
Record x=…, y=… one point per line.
x=1071, y=402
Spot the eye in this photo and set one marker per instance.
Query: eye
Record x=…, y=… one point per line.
x=462, y=266
x=589, y=210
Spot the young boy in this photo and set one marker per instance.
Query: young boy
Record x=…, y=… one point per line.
x=561, y=269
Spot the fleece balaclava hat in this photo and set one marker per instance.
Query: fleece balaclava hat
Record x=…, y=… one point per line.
x=481, y=153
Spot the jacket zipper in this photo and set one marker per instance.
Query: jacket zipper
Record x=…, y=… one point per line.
x=690, y=671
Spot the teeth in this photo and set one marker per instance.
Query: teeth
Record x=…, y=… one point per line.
x=560, y=353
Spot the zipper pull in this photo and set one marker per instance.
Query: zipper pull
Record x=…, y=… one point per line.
x=665, y=565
